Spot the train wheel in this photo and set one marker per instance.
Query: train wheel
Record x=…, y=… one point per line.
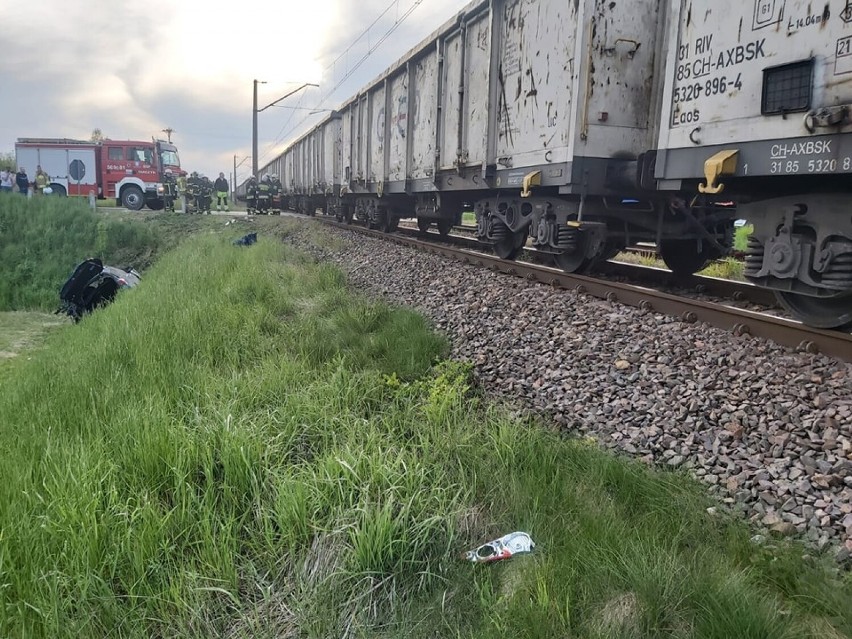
x=509, y=247
x=423, y=224
x=571, y=261
x=819, y=312
x=682, y=257
x=444, y=227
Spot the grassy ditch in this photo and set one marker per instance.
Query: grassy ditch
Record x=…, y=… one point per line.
x=241, y=448
x=42, y=239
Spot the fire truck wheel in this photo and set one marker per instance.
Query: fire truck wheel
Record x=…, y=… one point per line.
x=58, y=190
x=131, y=198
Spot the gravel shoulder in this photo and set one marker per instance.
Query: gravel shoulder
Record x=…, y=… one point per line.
x=768, y=429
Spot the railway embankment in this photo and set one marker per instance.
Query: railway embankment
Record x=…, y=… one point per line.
x=767, y=428
x=242, y=446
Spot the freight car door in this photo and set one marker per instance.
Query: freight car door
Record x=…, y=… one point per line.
x=534, y=81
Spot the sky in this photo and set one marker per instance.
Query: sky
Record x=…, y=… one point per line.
x=132, y=69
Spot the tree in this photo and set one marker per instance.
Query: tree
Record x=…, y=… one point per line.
x=97, y=135
x=7, y=158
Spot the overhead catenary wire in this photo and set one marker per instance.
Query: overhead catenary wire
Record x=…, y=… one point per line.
x=284, y=132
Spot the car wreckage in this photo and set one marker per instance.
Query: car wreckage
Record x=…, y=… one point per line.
x=93, y=285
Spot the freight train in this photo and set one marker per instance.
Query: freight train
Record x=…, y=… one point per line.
x=581, y=126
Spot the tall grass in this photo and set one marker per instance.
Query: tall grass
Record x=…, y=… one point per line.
x=240, y=448
x=42, y=239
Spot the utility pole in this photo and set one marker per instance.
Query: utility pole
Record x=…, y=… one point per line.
x=168, y=132
x=255, y=111
x=254, y=130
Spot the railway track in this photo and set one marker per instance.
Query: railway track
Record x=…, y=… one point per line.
x=740, y=322
x=637, y=273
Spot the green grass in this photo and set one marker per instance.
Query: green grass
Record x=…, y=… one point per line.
x=741, y=237
x=239, y=447
x=727, y=269
x=22, y=331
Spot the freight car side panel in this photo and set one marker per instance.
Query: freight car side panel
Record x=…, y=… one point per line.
x=425, y=119
x=331, y=153
x=478, y=62
x=377, y=134
x=286, y=171
x=748, y=75
x=534, y=96
x=311, y=161
x=304, y=164
x=617, y=83
x=398, y=127
x=363, y=139
x=450, y=100
x=298, y=173
x=347, y=148
x=318, y=176
x=465, y=91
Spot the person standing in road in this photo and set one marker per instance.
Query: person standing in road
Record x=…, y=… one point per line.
x=193, y=191
x=41, y=181
x=251, y=195
x=221, y=187
x=169, y=191
x=22, y=181
x=264, y=190
x=6, y=180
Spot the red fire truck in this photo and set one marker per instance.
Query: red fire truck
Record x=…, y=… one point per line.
x=128, y=170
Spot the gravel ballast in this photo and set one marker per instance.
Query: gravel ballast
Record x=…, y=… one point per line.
x=768, y=429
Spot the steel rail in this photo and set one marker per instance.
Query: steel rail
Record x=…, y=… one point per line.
x=739, y=322
x=701, y=284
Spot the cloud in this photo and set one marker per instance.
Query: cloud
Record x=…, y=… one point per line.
x=132, y=69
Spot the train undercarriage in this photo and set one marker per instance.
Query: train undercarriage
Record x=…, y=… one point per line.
x=806, y=261
x=583, y=231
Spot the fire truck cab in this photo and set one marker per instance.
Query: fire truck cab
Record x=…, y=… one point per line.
x=130, y=171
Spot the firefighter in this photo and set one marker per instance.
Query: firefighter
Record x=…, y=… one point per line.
x=222, y=187
x=264, y=190
x=169, y=191
x=41, y=181
x=277, y=194
x=193, y=191
x=251, y=195
x=206, y=194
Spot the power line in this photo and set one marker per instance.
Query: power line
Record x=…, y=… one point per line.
x=371, y=49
